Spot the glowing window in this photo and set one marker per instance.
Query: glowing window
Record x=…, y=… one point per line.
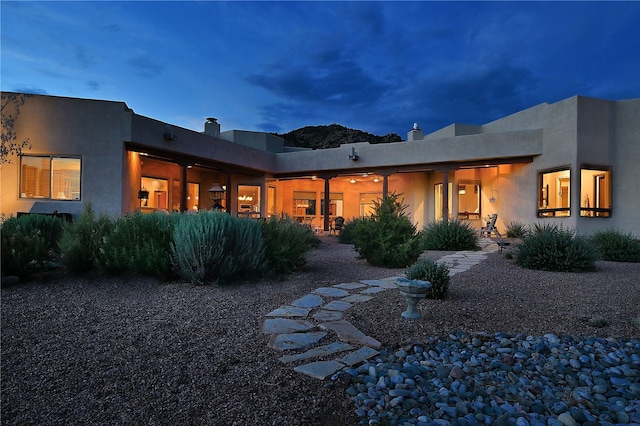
x=50, y=177
x=595, y=192
x=554, y=193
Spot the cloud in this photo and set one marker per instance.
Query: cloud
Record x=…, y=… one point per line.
x=93, y=85
x=144, y=66
x=30, y=90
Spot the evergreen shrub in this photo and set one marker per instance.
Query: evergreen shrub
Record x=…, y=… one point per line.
x=517, y=230
x=286, y=244
x=453, y=235
x=29, y=243
x=80, y=241
x=139, y=243
x=215, y=247
x=550, y=247
x=436, y=273
x=346, y=233
x=616, y=246
x=387, y=237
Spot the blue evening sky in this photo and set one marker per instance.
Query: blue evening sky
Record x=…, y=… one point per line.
x=276, y=66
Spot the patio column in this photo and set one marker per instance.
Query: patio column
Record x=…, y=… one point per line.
x=183, y=188
x=327, y=200
x=445, y=196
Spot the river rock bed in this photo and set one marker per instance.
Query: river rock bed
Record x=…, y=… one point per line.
x=501, y=380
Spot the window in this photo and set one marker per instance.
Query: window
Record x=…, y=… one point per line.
x=158, y=190
x=50, y=177
x=304, y=204
x=367, y=202
x=193, y=196
x=335, y=204
x=595, y=191
x=469, y=200
x=554, y=193
x=249, y=201
x=438, y=201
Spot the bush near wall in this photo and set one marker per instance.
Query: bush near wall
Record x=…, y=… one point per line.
x=80, y=241
x=387, y=238
x=139, y=243
x=29, y=244
x=286, y=244
x=552, y=248
x=453, y=235
x=214, y=247
x=616, y=246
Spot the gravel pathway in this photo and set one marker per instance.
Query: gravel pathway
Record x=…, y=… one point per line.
x=126, y=350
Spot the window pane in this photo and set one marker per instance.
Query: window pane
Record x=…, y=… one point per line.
x=367, y=202
x=65, y=179
x=469, y=200
x=438, y=201
x=335, y=203
x=554, y=193
x=35, y=175
x=158, y=190
x=595, y=192
x=249, y=200
x=304, y=203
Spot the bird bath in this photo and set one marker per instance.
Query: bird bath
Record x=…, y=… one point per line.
x=413, y=291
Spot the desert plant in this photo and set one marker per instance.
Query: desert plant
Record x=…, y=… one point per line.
x=616, y=246
x=346, y=233
x=29, y=243
x=436, y=273
x=138, y=243
x=214, y=247
x=286, y=244
x=517, y=230
x=387, y=238
x=79, y=243
x=452, y=235
x=550, y=247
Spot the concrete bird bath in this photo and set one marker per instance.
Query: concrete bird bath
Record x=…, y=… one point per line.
x=413, y=291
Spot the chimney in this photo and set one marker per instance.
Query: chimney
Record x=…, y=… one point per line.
x=415, y=134
x=212, y=127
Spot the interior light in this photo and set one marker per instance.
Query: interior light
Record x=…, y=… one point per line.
x=353, y=181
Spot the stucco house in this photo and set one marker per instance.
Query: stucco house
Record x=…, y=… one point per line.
x=574, y=162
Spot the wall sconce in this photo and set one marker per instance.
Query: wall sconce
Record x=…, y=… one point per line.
x=353, y=181
x=462, y=189
x=354, y=154
x=376, y=180
x=492, y=200
x=168, y=135
x=216, y=192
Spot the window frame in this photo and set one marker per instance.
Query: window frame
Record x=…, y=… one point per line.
x=477, y=187
x=52, y=158
x=596, y=210
x=542, y=197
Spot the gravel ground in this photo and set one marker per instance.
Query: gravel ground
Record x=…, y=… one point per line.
x=126, y=350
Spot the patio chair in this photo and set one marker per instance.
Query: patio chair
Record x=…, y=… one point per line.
x=338, y=223
x=491, y=227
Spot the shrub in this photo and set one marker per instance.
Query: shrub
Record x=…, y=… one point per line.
x=452, y=235
x=517, y=230
x=29, y=243
x=436, y=273
x=286, y=244
x=139, y=243
x=214, y=247
x=387, y=238
x=552, y=248
x=346, y=234
x=80, y=241
x=616, y=246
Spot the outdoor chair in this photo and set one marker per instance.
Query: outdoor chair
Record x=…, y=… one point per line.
x=491, y=227
x=338, y=223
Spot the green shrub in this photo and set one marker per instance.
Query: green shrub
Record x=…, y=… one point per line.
x=616, y=246
x=387, y=238
x=436, y=273
x=214, y=247
x=346, y=234
x=453, y=235
x=139, y=243
x=552, y=248
x=286, y=244
x=517, y=230
x=79, y=244
x=29, y=243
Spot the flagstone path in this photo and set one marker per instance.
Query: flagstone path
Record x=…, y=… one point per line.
x=298, y=328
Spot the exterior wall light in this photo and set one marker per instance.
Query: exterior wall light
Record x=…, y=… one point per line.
x=354, y=155
x=143, y=194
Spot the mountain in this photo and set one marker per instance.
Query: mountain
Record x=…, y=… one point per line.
x=332, y=136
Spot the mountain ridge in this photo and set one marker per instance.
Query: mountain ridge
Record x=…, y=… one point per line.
x=332, y=136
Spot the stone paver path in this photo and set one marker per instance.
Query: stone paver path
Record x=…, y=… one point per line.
x=318, y=316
